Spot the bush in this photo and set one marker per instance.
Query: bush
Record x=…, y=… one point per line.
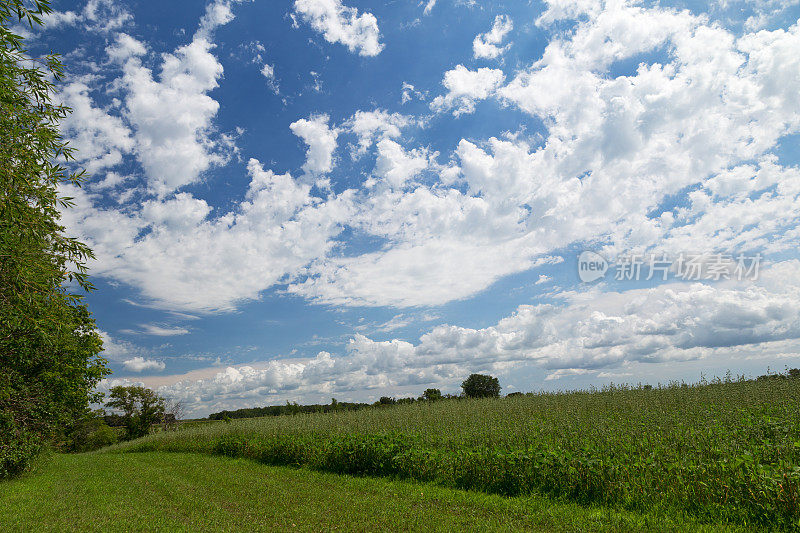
x=91, y=433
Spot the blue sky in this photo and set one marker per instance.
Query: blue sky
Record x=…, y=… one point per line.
x=300, y=200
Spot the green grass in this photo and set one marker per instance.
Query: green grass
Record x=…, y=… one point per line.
x=190, y=492
x=722, y=453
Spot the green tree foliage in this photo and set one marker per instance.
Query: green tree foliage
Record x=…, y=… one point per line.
x=48, y=340
x=90, y=433
x=141, y=409
x=481, y=386
x=432, y=394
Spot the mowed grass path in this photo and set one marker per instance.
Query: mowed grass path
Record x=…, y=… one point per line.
x=192, y=492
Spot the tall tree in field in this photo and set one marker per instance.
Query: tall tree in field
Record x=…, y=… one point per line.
x=481, y=386
x=141, y=409
x=49, y=346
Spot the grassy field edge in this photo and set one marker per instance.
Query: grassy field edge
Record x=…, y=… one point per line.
x=184, y=491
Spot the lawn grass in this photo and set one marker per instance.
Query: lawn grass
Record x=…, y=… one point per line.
x=192, y=492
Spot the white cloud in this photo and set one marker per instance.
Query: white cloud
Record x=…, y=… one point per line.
x=321, y=141
x=412, y=275
x=218, y=13
x=429, y=7
x=342, y=24
x=370, y=126
x=97, y=15
x=124, y=48
x=268, y=71
x=616, y=148
x=465, y=87
x=562, y=372
x=398, y=321
x=111, y=181
x=181, y=258
x=116, y=350
x=587, y=333
x=57, y=19
x=766, y=12
x=409, y=93
x=140, y=364
x=396, y=166
x=99, y=138
x=487, y=45
x=161, y=331
x=701, y=114
x=171, y=114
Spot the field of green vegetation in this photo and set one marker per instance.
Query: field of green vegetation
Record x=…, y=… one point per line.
x=192, y=492
x=721, y=453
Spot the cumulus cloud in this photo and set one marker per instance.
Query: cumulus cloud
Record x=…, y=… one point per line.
x=589, y=332
x=124, y=48
x=97, y=15
x=217, y=14
x=100, y=139
x=616, y=148
x=409, y=93
x=396, y=165
x=765, y=12
x=140, y=364
x=466, y=87
x=342, y=24
x=487, y=45
x=673, y=154
x=181, y=258
x=172, y=115
x=114, y=349
x=370, y=126
x=321, y=142
x=412, y=275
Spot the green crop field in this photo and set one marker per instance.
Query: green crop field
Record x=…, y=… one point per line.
x=722, y=453
x=716, y=457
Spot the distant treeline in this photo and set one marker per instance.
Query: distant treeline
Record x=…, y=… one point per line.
x=294, y=408
x=288, y=409
x=486, y=386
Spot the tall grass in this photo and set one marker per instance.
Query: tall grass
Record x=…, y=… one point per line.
x=721, y=452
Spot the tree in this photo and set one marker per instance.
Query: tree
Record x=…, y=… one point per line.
x=481, y=386
x=49, y=345
x=173, y=413
x=432, y=394
x=141, y=409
